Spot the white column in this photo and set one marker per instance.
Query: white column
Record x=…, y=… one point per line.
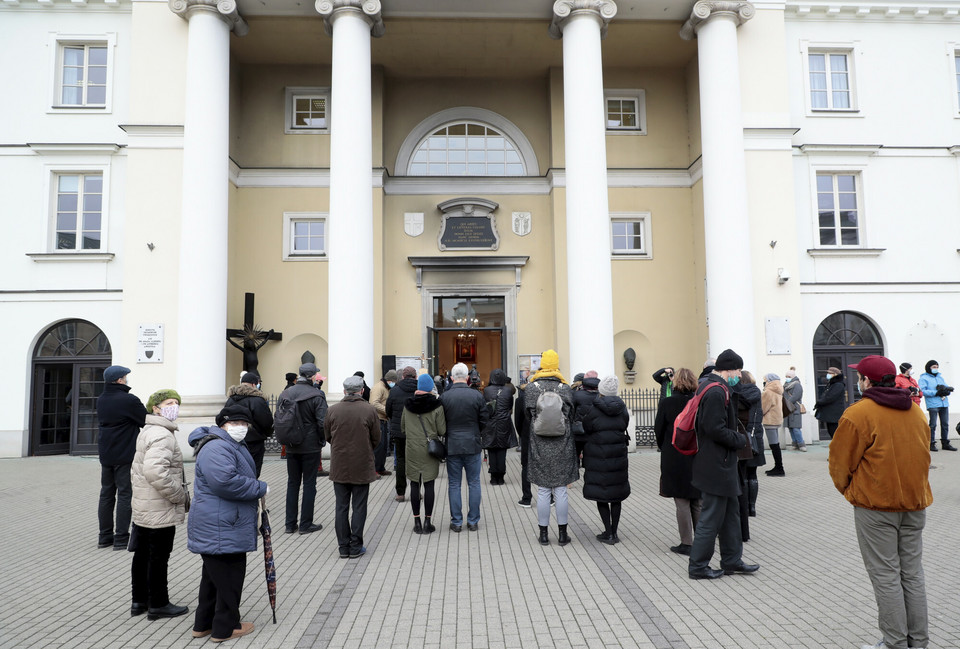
x=589, y=277
x=350, y=224
x=729, y=288
x=202, y=290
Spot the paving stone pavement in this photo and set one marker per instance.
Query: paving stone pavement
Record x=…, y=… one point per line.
x=492, y=589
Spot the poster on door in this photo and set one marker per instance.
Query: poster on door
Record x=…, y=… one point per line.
x=150, y=343
x=528, y=364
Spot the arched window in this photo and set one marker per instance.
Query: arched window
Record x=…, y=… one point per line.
x=846, y=328
x=73, y=338
x=466, y=149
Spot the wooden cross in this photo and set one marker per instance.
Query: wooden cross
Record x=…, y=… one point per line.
x=251, y=338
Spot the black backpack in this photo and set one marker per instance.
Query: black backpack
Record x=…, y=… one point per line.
x=288, y=423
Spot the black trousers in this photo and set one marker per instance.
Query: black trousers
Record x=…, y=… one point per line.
x=148, y=572
x=400, y=448
x=380, y=453
x=301, y=468
x=719, y=517
x=221, y=584
x=526, y=494
x=115, y=490
x=257, y=450
x=497, y=460
x=350, y=533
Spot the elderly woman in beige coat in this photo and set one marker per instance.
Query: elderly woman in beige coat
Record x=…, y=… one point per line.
x=772, y=402
x=160, y=500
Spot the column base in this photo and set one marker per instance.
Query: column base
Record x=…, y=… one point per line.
x=196, y=411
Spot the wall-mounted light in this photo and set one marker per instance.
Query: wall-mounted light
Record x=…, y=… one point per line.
x=783, y=275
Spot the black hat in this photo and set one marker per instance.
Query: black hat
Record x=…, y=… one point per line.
x=578, y=377
x=291, y=376
x=358, y=373
x=930, y=363
x=904, y=367
x=729, y=360
x=250, y=377
x=233, y=413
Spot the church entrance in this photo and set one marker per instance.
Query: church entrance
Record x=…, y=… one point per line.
x=68, y=365
x=470, y=330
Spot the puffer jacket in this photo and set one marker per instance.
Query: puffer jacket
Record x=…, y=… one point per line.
x=223, y=515
x=606, y=469
x=928, y=387
x=249, y=397
x=156, y=476
x=772, y=403
x=499, y=431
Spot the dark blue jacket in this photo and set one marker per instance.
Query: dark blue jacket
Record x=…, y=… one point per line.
x=121, y=416
x=466, y=413
x=223, y=513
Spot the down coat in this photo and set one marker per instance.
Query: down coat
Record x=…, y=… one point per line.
x=156, y=476
x=606, y=469
x=552, y=461
x=223, y=515
x=422, y=418
x=499, y=431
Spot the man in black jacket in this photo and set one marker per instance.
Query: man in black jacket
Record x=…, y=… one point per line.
x=715, y=473
x=121, y=416
x=467, y=414
x=304, y=459
x=248, y=396
x=399, y=394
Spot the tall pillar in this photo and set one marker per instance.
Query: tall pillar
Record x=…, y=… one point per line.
x=350, y=265
x=729, y=289
x=582, y=24
x=202, y=290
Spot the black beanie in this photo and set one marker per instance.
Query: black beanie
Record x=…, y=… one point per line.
x=729, y=360
x=233, y=413
x=904, y=367
x=926, y=368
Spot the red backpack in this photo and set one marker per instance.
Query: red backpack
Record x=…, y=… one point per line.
x=685, y=425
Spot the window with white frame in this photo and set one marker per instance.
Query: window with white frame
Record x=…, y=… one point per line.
x=466, y=149
x=838, y=209
x=82, y=74
x=831, y=80
x=626, y=110
x=630, y=235
x=307, y=110
x=305, y=235
x=79, y=211
x=956, y=67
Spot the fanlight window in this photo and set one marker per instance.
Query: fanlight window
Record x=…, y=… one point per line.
x=73, y=338
x=847, y=329
x=466, y=149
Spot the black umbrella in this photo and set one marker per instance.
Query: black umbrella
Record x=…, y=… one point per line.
x=268, y=564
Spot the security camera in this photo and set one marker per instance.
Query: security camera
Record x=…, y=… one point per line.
x=783, y=275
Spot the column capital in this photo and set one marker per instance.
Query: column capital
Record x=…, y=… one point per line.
x=705, y=10
x=224, y=9
x=563, y=10
x=369, y=9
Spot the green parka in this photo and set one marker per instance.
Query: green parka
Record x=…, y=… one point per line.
x=422, y=410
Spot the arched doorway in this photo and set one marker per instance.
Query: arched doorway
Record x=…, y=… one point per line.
x=68, y=365
x=843, y=339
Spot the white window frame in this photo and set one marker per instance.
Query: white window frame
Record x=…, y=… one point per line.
x=953, y=56
x=850, y=49
x=52, y=173
x=291, y=93
x=636, y=95
x=838, y=169
x=645, y=218
x=56, y=44
x=289, y=218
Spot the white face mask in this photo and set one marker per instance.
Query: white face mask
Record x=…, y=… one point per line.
x=170, y=412
x=829, y=376
x=237, y=432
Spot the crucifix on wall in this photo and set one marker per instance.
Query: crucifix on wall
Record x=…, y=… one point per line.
x=251, y=338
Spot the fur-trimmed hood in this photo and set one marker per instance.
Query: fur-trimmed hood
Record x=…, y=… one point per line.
x=421, y=404
x=244, y=390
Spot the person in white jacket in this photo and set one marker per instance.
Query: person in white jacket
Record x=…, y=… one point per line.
x=160, y=500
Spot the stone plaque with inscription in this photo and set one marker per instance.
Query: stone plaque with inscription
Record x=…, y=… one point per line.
x=468, y=224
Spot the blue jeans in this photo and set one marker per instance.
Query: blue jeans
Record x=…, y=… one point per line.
x=797, y=435
x=455, y=465
x=944, y=414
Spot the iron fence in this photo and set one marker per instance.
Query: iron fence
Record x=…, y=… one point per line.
x=642, y=404
x=271, y=445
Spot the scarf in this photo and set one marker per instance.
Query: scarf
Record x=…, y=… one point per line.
x=549, y=367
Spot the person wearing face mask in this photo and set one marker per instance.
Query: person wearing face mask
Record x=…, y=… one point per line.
x=223, y=521
x=906, y=382
x=378, y=399
x=249, y=396
x=829, y=407
x=935, y=390
x=715, y=474
x=159, y=504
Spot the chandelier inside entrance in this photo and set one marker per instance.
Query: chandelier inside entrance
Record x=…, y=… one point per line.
x=466, y=334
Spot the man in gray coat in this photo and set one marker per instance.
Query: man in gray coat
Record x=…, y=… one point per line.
x=304, y=459
x=466, y=414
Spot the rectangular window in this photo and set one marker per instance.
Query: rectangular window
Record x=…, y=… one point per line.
x=82, y=75
x=831, y=85
x=838, y=214
x=956, y=64
x=308, y=237
x=307, y=110
x=630, y=235
x=79, y=211
x=626, y=110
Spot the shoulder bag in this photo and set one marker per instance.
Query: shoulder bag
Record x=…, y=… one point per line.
x=435, y=448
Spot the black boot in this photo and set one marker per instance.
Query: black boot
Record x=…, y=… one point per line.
x=753, y=488
x=428, y=526
x=777, y=469
x=544, y=539
x=562, y=538
x=417, y=527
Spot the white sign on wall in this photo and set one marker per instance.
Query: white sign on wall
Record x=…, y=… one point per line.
x=150, y=343
x=412, y=361
x=778, y=336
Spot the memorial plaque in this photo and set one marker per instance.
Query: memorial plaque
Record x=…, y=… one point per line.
x=470, y=232
x=150, y=343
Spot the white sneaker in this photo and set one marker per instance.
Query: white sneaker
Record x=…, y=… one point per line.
x=803, y=449
x=879, y=645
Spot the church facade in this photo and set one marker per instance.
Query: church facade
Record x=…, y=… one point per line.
x=382, y=182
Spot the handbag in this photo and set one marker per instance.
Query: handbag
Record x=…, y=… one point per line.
x=803, y=408
x=746, y=452
x=435, y=448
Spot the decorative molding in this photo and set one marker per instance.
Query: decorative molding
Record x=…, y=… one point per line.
x=463, y=263
x=73, y=149
x=845, y=252
x=71, y=256
x=369, y=9
x=226, y=10
x=930, y=11
x=841, y=149
x=563, y=10
x=704, y=10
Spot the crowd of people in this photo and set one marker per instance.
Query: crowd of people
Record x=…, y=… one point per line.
x=560, y=428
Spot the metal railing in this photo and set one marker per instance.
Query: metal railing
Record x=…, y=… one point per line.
x=642, y=404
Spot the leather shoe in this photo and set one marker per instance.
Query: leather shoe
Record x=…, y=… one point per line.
x=291, y=529
x=473, y=527
x=105, y=544
x=947, y=446
x=706, y=573
x=683, y=549
x=314, y=527
x=384, y=472
x=455, y=528
x=170, y=610
x=359, y=553
x=137, y=609
x=742, y=568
